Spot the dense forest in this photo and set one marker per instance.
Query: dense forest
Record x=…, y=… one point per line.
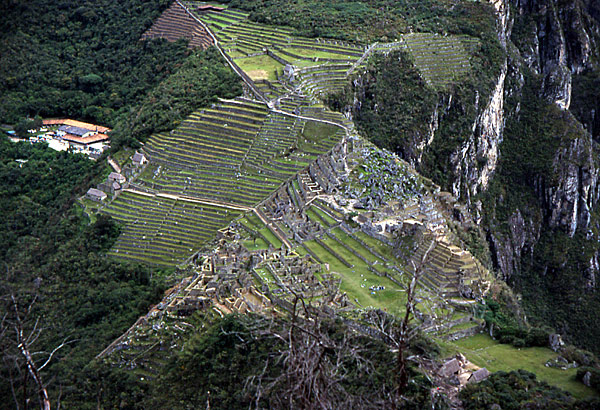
x=56, y=280
x=80, y=59
x=368, y=21
x=91, y=66
x=198, y=82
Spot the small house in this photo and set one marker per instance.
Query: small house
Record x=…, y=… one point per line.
x=95, y=195
x=449, y=368
x=116, y=177
x=479, y=375
x=138, y=159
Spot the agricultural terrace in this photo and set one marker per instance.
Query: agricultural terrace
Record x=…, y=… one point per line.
x=441, y=60
x=162, y=230
x=262, y=51
x=232, y=155
x=174, y=24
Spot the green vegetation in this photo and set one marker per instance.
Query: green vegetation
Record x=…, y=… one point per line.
x=399, y=127
x=586, y=101
x=163, y=231
x=374, y=20
x=80, y=59
x=311, y=53
x=357, y=279
x=530, y=144
x=260, y=67
x=51, y=253
x=441, y=60
x=517, y=390
x=237, y=356
x=485, y=352
x=198, y=82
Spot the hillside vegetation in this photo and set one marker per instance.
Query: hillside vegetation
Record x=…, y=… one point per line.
x=53, y=258
x=80, y=59
x=287, y=241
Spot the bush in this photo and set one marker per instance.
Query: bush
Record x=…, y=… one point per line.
x=518, y=390
x=594, y=379
x=583, y=357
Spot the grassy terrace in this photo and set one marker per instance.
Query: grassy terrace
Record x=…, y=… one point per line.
x=441, y=60
x=260, y=67
x=485, y=352
x=163, y=231
x=357, y=279
x=233, y=152
x=257, y=229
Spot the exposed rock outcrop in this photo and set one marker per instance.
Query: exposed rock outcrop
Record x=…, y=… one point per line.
x=570, y=200
x=476, y=160
x=562, y=41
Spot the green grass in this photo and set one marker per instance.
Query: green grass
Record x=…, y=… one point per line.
x=252, y=245
x=266, y=232
x=303, y=52
x=260, y=67
x=315, y=218
x=392, y=299
x=330, y=221
x=348, y=240
x=485, y=352
x=316, y=131
x=378, y=246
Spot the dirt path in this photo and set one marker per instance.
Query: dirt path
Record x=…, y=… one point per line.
x=213, y=202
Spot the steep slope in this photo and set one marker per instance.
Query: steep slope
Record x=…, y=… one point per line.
x=174, y=24
x=512, y=150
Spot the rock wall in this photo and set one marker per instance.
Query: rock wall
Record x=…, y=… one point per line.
x=476, y=160
x=559, y=42
x=562, y=40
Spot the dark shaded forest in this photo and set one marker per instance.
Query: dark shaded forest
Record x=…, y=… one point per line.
x=53, y=266
x=80, y=59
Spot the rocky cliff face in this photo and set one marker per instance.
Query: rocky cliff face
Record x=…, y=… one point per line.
x=556, y=44
x=561, y=41
x=571, y=199
x=476, y=160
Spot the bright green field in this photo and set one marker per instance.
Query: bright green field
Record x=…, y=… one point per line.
x=260, y=67
x=304, y=52
x=485, y=352
x=392, y=299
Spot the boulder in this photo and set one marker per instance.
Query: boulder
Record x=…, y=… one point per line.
x=555, y=342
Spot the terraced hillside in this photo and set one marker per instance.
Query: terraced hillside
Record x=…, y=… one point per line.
x=163, y=230
x=238, y=153
x=174, y=24
x=231, y=156
x=440, y=59
x=319, y=65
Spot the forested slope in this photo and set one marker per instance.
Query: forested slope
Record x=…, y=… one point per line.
x=80, y=59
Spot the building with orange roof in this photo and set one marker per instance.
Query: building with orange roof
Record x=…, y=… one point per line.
x=78, y=132
x=75, y=123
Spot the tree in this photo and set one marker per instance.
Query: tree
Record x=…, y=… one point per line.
x=406, y=332
x=19, y=332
